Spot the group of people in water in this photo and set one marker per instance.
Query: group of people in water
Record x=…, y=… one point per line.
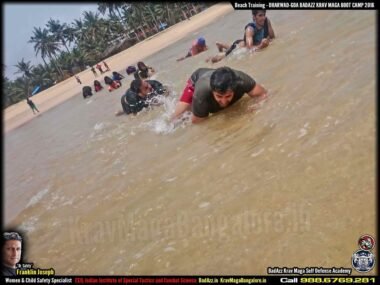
x=207, y=90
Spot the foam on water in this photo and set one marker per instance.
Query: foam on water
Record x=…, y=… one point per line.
x=99, y=126
x=36, y=198
x=30, y=224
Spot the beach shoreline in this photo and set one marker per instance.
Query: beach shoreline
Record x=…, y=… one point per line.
x=19, y=114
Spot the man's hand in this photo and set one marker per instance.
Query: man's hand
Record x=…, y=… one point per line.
x=197, y=120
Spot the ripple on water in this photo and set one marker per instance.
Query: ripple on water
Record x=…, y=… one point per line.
x=36, y=198
x=204, y=205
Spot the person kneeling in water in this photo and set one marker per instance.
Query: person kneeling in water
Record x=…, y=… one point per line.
x=140, y=95
x=112, y=84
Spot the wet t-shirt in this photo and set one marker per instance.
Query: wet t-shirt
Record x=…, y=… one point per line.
x=203, y=100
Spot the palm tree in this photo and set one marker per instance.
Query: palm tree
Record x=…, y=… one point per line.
x=135, y=18
x=24, y=67
x=111, y=7
x=19, y=89
x=69, y=34
x=79, y=31
x=57, y=30
x=149, y=8
x=91, y=23
x=9, y=100
x=39, y=39
x=45, y=44
x=81, y=58
x=42, y=77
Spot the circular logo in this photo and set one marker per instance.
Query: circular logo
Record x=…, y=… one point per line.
x=363, y=260
x=366, y=242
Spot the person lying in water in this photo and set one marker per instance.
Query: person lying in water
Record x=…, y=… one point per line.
x=97, y=86
x=112, y=84
x=143, y=71
x=197, y=47
x=257, y=36
x=212, y=90
x=140, y=95
x=117, y=76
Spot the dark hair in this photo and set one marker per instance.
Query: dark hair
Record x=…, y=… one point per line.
x=131, y=69
x=10, y=236
x=223, y=79
x=108, y=80
x=96, y=82
x=256, y=11
x=135, y=85
x=141, y=66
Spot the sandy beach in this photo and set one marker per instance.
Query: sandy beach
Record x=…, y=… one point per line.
x=20, y=113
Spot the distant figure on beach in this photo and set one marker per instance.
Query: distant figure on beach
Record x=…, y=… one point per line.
x=86, y=91
x=112, y=84
x=257, y=36
x=99, y=67
x=117, y=76
x=140, y=95
x=97, y=86
x=32, y=105
x=198, y=46
x=94, y=71
x=78, y=79
x=106, y=66
x=143, y=71
x=211, y=90
x=130, y=69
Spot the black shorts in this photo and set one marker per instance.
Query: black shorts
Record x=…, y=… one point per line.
x=233, y=46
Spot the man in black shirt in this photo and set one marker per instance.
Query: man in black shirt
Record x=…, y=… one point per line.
x=141, y=95
x=211, y=90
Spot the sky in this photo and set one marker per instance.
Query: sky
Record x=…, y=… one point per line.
x=19, y=21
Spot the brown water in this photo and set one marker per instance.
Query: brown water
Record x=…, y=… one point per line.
x=292, y=184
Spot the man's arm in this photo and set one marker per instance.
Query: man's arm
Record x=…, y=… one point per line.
x=258, y=92
x=184, y=57
x=197, y=120
x=249, y=33
x=270, y=30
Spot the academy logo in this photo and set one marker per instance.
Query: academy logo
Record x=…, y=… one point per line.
x=366, y=242
x=363, y=261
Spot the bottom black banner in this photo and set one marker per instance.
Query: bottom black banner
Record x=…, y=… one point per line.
x=191, y=280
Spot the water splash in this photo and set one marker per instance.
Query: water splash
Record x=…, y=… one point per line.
x=162, y=124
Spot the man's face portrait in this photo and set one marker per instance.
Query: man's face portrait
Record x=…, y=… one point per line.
x=11, y=253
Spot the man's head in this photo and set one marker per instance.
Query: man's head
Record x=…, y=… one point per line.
x=11, y=249
x=141, y=66
x=141, y=87
x=223, y=83
x=259, y=16
x=131, y=69
x=201, y=42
